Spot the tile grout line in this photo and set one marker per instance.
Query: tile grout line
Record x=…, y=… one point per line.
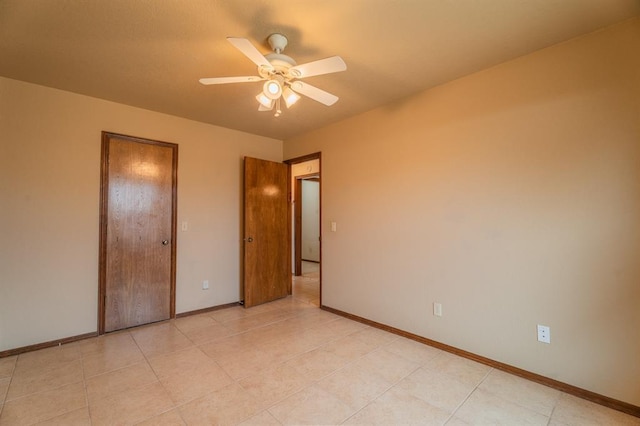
x=393, y=385
x=290, y=315
x=555, y=405
x=146, y=359
x=453, y=413
x=86, y=392
x=234, y=380
x=297, y=313
x=4, y=397
x=239, y=379
x=519, y=404
x=59, y=347
x=11, y=378
x=84, y=380
x=316, y=381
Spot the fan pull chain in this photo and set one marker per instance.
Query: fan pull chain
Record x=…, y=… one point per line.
x=278, y=110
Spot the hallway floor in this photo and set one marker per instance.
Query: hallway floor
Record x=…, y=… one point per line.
x=285, y=362
x=306, y=287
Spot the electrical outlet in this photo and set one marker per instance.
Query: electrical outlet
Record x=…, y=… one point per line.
x=437, y=309
x=544, y=334
x=205, y=285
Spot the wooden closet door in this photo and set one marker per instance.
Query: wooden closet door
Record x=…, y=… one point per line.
x=138, y=259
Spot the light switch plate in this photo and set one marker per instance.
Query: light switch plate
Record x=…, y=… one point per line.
x=437, y=309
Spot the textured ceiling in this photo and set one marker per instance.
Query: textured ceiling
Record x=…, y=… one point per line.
x=151, y=53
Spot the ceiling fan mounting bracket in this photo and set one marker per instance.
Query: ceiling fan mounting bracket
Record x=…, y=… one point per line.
x=277, y=42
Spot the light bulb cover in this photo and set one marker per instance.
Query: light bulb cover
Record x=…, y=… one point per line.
x=290, y=97
x=264, y=100
x=272, y=89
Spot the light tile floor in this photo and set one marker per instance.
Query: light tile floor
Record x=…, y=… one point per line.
x=286, y=362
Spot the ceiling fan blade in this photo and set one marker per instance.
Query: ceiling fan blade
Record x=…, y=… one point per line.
x=250, y=51
x=314, y=93
x=322, y=66
x=225, y=80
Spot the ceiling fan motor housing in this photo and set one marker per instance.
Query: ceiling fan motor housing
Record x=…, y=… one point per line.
x=281, y=63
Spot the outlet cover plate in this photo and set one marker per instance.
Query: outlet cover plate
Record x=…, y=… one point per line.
x=544, y=334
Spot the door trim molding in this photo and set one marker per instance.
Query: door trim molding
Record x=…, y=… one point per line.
x=104, y=195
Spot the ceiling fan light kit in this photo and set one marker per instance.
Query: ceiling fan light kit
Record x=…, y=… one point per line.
x=272, y=88
x=290, y=97
x=281, y=75
x=265, y=101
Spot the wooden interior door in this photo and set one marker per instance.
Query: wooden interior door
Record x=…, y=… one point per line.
x=267, y=231
x=137, y=239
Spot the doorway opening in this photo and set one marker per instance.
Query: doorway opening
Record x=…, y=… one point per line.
x=306, y=227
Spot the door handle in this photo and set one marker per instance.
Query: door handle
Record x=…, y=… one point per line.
x=165, y=242
x=249, y=240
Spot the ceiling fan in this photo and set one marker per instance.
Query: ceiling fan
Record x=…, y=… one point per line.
x=281, y=75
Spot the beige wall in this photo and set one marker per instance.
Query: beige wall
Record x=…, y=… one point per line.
x=512, y=197
x=49, y=199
